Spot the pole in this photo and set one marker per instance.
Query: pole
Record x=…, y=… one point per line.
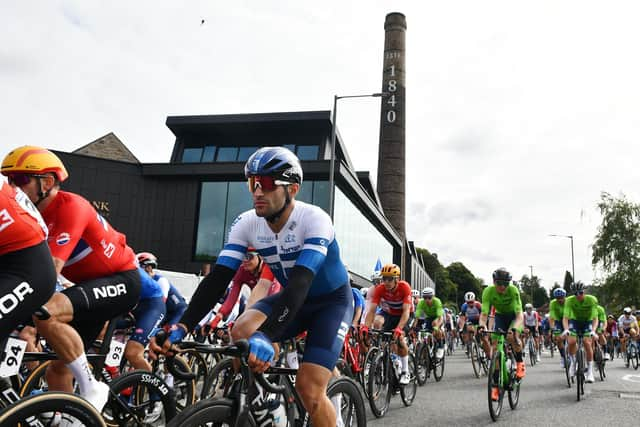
x=531, y=283
x=573, y=267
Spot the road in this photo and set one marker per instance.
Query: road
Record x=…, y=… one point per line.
x=460, y=399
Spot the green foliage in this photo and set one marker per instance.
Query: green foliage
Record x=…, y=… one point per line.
x=531, y=291
x=445, y=288
x=568, y=280
x=465, y=281
x=616, y=252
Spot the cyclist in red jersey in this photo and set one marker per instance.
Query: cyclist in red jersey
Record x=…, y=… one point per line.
x=86, y=250
x=27, y=275
x=394, y=297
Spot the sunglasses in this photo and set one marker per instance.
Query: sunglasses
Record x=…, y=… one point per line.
x=20, y=179
x=580, y=293
x=250, y=255
x=265, y=183
x=428, y=297
x=388, y=279
x=502, y=284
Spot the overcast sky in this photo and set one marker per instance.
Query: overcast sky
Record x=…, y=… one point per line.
x=519, y=114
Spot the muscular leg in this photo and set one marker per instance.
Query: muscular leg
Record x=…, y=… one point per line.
x=134, y=353
x=311, y=385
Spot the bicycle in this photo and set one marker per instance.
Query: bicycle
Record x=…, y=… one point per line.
x=580, y=361
x=478, y=357
x=237, y=407
x=384, y=378
x=502, y=375
x=426, y=360
x=631, y=356
x=598, y=359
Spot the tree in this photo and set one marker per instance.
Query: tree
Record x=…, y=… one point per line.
x=531, y=291
x=616, y=251
x=465, y=281
x=568, y=280
x=445, y=288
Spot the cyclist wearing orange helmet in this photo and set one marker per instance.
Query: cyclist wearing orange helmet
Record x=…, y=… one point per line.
x=89, y=252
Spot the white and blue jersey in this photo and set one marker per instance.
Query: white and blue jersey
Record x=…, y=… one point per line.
x=307, y=239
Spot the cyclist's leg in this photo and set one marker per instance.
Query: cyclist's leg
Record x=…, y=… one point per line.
x=149, y=313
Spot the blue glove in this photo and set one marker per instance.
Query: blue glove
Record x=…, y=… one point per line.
x=260, y=345
x=177, y=335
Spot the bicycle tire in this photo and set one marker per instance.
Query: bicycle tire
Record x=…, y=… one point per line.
x=199, y=367
x=216, y=412
x=408, y=392
x=532, y=352
x=184, y=390
x=579, y=373
x=634, y=357
x=422, y=363
x=219, y=379
x=52, y=402
x=514, y=386
x=366, y=368
x=123, y=407
x=495, y=380
x=35, y=381
x=379, y=384
x=352, y=408
x=438, y=367
x=475, y=359
x=567, y=364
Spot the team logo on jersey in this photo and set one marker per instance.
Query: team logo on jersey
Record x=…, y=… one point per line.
x=289, y=250
x=290, y=238
x=63, y=239
x=264, y=239
x=293, y=225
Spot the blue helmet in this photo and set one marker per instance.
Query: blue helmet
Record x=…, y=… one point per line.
x=277, y=162
x=559, y=293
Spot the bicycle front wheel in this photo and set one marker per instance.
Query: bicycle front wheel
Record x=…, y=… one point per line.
x=634, y=357
x=351, y=409
x=514, y=386
x=408, y=392
x=208, y=412
x=379, y=384
x=579, y=373
x=438, y=367
x=51, y=408
x=422, y=363
x=475, y=359
x=495, y=382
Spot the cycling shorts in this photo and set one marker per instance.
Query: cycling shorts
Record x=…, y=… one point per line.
x=391, y=322
x=579, y=326
x=149, y=313
x=99, y=300
x=505, y=322
x=326, y=318
x=533, y=331
x=27, y=281
x=557, y=327
x=427, y=324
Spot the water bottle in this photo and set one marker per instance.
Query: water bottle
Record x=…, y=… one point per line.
x=276, y=409
x=396, y=363
x=292, y=359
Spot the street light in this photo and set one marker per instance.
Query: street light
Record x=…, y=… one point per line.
x=332, y=163
x=531, y=283
x=573, y=268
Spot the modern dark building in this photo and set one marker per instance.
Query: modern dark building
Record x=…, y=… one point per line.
x=181, y=210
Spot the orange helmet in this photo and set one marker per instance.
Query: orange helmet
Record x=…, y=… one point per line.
x=390, y=270
x=34, y=160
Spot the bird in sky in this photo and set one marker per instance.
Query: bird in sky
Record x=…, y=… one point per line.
x=202, y=22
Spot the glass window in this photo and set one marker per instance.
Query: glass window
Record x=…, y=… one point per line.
x=361, y=244
x=209, y=153
x=245, y=152
x=290, y=147
x=227, y=154
x=238, y=200
x=191, y=155
x=320, y=194
x=308, y=152
x=211, y=226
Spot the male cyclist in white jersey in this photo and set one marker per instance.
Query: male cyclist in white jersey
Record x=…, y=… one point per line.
x=531, y=327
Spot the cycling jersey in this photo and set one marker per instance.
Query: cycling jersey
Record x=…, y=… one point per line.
x=245, y=277
x=627, y=323
x=471, y=310
x=602, y=314
x=505, y=303
x=556, y=310
x=21, y=226
x=391, y=302
x=430, y=311
x=82, y=238
x=176, y=305
x=530, y=319
x=150, y=288
x=358, y=299
x=581, y=311
x=307, y=239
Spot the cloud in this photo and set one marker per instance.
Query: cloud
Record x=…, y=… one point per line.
x=461, y=212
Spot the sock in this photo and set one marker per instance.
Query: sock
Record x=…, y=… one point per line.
x=169, y=380
x=337, y=402
x=518, y=355
x=561, y=352
x=404, y=361
x=82, y=374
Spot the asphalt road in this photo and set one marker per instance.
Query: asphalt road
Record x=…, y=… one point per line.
x=460, y=399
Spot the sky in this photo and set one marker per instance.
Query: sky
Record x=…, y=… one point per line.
x=519, y=114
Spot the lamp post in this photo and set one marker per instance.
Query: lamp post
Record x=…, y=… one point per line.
x=573, y=268
x=332, y=162
x=531, y=283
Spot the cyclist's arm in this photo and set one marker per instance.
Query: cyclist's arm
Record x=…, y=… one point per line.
x=404, y=317
x=232, y=297
x=260, y=291
x=58, y=264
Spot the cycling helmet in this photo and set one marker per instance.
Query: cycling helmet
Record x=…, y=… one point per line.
x=501, y=276
x=626, y=310
x=546, y=315
x=528, y=306
x=277, y=162
x=469, y=296
x=363, y=291
x=577, y=287
x=446, y=310
x=147, y=258
x=33, y=160
x=390, y=270
x=415, y=293
x=559, y=293
x=427, y=292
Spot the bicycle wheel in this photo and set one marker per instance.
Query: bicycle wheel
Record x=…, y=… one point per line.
x=209, y=412
x=185, y=390
x=344, y=368
x=579, y=373
x=532, y=352
x=51, y=408
x=379, y=384
x=475, y=359
x=495, y=380
x=408, y=392
x=567, y=364
x=514, y=386
x=366, y=368
x=139, y=398
x=422, y=363
x=598, y=361
x=437, y=364
x=35, y=382
x=633, y=356
x=352, y=408
x=219, y=379
x=200, y=368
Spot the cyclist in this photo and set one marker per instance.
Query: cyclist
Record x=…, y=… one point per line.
x=504, y=297
x=87, y=251
x=394, y=298
x=298, y=243
x=611, y=331
x=627, y=327
x=469, y=316
x=602, y=338
x=430, y=308
x=531, y=327
x=580, y=315
x=556, y=312
x=358, y=308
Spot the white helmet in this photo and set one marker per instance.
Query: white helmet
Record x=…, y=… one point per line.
x=469, y=296
x=626, y=310
x=415, y=293
x=427, y=292
x=363, y=291
x=527, y=306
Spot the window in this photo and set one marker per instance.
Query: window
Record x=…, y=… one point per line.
x=245, y=152
x=209, y=153
x=227, y=154
x=191, y=155
x=308, y=152
x=290, y=147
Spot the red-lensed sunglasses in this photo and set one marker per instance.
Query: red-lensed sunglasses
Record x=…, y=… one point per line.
x=20, y=179
x=266, y=183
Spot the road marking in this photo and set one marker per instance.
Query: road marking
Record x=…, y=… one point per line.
x=632, y=378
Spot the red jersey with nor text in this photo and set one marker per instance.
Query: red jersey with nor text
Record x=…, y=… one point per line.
x=392, y=302
x=20, y=223
x=81, y=237
x=244, y=277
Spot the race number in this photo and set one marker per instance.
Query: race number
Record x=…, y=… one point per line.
x=116, y=351
x=13, y=351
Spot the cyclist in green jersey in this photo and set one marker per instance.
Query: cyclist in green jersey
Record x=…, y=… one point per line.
x=602, y=322
x=430, y=308
x=505, y=299
x=556, y=313
x=580, y=315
